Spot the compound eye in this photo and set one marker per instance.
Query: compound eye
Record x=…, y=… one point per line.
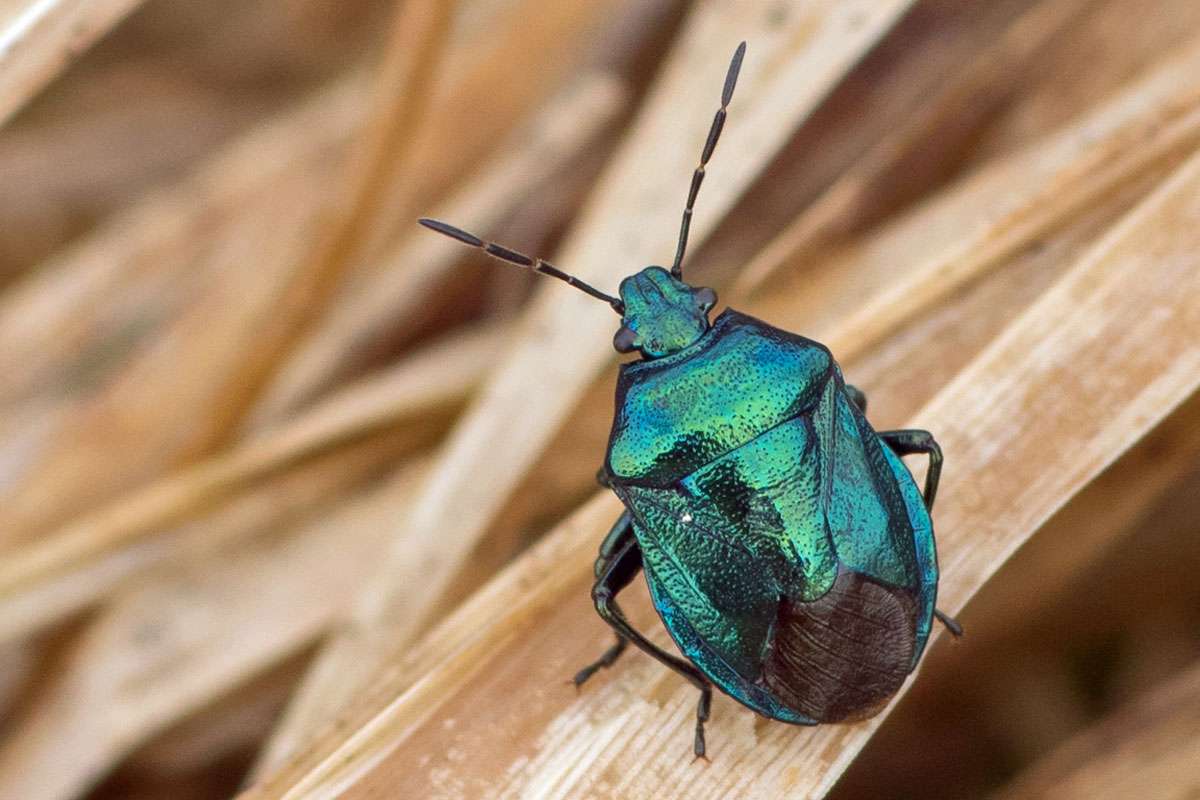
x=705, y=298
x=625, y=340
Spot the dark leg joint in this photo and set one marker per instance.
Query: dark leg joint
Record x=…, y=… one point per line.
x=702, y=711
x=950, y=622
x=607, y=660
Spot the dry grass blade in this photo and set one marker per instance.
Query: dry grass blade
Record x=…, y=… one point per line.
x=1101, y=171
x=1148, y=749
x=1104, y=512
x=39, y=38
x=529, y=592
x=143, y=405
x=476, y=109
x=93, y=303
x=142, y=301
x=903, y=160
x=992, y=214
x=187, y=636
x=406, y=87
x=1072, y=383
x=387, y=297
x=79, y=312
x=430, y=381
x=67, y=467
x=632, y=220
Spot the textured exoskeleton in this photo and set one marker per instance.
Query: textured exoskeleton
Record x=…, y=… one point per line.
x=785, y=545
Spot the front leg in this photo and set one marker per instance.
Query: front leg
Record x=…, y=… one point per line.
x=909, y=442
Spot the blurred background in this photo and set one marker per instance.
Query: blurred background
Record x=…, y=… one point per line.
x=236, y=375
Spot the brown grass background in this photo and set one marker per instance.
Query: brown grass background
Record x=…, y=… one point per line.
x=297, y=498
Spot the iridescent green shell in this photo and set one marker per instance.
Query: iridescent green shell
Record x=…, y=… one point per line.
x=786, y=547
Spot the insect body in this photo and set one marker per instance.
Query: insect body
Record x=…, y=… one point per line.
x=785, y=546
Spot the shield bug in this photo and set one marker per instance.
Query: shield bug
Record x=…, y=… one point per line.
x=785, y=545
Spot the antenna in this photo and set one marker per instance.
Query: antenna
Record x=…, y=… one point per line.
x=521, y=260
x=714, y=133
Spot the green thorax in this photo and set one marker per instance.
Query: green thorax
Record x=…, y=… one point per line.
x=740, y=378
x=662, y=314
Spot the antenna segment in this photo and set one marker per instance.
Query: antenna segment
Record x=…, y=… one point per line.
x=502, y=253
x=714, y=133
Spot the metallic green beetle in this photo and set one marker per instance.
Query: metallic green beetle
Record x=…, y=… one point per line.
x=785, y=545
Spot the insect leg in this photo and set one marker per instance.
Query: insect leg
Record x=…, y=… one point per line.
x=950, y=622
x=905, y=443
x=621, y=570
x=606, y=660
x=857, y=397
x=908, y=442
x=620, y=533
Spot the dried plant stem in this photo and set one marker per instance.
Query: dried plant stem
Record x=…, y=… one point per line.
x=181, y=639
x=941, y=123
x=142, y=403
x=212, y=303
x=435, y=380
x=1098, y=517
x=40, y=38
x=476, y=108
x=402, y=99
x=404, y=696
x=994, y=213
x=1147, y=749
x=63, y=324
x=387, y=297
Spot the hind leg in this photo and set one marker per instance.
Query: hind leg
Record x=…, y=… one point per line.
x=950, y=622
